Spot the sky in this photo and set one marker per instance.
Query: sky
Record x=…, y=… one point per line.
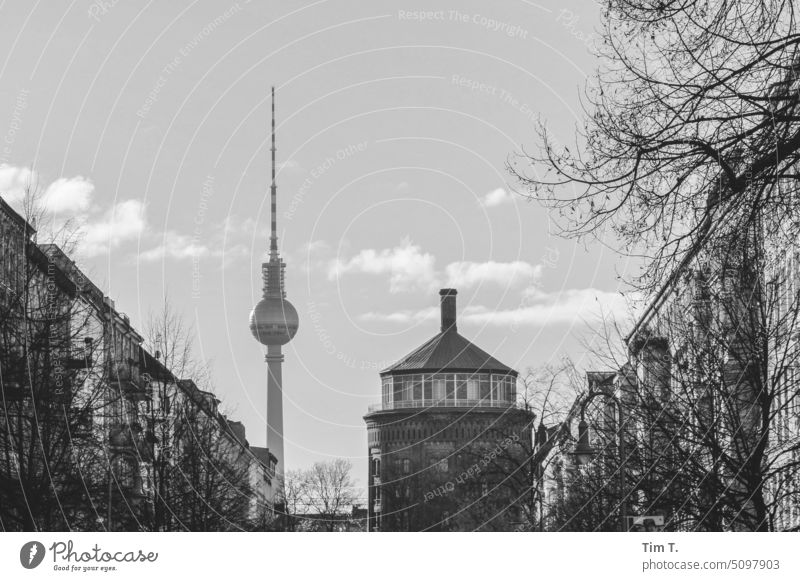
x=147, y=124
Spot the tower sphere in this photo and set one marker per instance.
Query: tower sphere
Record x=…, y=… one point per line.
x=274, y=321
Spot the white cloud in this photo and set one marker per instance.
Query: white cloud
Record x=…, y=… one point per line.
x=467, y=274
x=407, y=266
x=404, y=316
x=124, y=221
x=314, y=256
x=68, y=195
x=15, y=181
x=496, y=197
x=176, y=246
x=410, y=268
x=538, y=309
x=316, y=247
x=290, y=166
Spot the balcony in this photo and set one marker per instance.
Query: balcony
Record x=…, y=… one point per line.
x=132, y=437
x=78, y=359
x=131, y=384
x=443, y=403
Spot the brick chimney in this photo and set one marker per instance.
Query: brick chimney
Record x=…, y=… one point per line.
x=448, y=308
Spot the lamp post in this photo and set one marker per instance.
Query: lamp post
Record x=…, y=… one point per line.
x=584, y=451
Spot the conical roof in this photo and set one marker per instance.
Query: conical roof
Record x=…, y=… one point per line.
x=449, y=350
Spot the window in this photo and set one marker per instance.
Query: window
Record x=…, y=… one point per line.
x=387, y=390
x=406, y=466
x=451, y=387
x=417, y=387
x=473, y=392
x=512, y=389
x=484, y=386
x=427, y=385
x=461, y=386
x=398, y=390
x=376, y=466
x=438, y=389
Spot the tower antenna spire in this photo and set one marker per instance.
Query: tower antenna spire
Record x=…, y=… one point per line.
x=273, y=239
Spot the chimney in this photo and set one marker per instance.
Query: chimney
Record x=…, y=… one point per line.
x=448, y=308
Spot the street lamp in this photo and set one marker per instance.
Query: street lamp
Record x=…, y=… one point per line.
x=584, y=452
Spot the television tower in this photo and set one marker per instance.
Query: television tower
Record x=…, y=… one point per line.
x=274, y=323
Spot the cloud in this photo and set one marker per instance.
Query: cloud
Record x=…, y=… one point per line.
x=68, y=198
x=540, y=309
x=314, y=256
x=68, y=195
x=290, y=166
x=496, y=197
x=467, y=274
x=63, y=196
x=404, y=316
x=177, y=246
x=537, y=309
x=408, y=267
x=124, y=221
x=15, y=181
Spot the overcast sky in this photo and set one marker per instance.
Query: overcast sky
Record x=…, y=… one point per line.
x=148, y=123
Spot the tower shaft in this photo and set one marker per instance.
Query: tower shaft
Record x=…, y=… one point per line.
x=274, y=361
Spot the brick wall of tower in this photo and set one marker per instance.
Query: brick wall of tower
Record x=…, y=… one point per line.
x=453, y=470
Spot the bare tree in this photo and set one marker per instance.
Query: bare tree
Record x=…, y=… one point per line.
x=330, y=493
x=320, y=498
x=691, y=129
x=200, y=464
x=690, y=151
x=291, y=501
x=210, y=489
x=52, y=390
x=709, y=393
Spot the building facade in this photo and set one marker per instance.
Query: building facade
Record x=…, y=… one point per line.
x=711, y=395
x=447, y=444
x=97, y=432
